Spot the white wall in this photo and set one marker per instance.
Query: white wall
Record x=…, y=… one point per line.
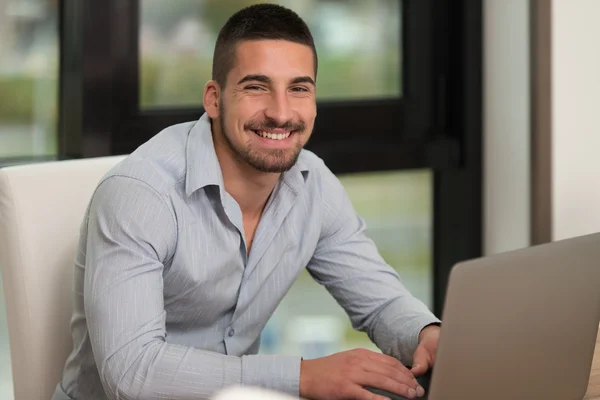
x=507, y=125
x=575, y=117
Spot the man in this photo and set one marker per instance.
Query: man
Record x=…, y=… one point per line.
x=189, y=245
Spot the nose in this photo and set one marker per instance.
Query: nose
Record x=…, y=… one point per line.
x=279, y=109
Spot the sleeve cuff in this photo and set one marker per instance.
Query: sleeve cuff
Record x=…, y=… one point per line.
x=410, y=341
x=279, y=373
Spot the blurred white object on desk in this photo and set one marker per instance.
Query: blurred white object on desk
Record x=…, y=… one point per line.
x=251, y=393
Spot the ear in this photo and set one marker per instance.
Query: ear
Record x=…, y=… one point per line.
x=212, y=94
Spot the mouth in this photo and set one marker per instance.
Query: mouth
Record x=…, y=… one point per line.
x=274, y=136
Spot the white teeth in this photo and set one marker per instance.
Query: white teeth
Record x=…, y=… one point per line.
x=274, y=136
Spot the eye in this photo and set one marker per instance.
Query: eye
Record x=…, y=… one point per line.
x=254, y=87
x=299, y=89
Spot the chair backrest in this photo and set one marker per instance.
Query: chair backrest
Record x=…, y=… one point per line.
x=41, y=210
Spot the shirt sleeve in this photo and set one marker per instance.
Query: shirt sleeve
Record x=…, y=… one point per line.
x=350, y=267
x=131, y=236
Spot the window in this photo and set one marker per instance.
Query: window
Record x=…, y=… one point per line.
x=397, y=208
x=358, y=43
x=28, y=78
x=124, y=93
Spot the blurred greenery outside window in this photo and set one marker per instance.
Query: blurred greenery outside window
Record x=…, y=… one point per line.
x=28, y=78
x=358, y=43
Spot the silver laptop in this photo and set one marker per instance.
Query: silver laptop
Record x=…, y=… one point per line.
x=521, y=325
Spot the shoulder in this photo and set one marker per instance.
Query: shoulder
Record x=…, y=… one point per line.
x=160, y=163
x=318, y=172
x=325, y=189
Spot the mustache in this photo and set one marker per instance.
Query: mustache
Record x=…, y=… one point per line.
x=272, y=124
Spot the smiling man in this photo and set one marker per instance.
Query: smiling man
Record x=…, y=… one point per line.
x=190, y=243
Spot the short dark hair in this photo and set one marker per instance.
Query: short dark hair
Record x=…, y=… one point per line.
x=258, y=22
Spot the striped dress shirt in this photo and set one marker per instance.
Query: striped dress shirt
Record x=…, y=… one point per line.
x=168, y=305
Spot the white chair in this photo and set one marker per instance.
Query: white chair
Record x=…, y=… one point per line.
x=41, y=210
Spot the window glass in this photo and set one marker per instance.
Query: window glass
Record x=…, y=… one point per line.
x=28, y=78
x=358, y=43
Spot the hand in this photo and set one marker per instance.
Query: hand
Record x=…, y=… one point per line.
x=424, y=356
x=345, y=376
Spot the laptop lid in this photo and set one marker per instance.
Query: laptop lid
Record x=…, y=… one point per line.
x=521, y=325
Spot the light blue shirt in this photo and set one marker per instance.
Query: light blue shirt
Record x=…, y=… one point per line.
x=168, y=305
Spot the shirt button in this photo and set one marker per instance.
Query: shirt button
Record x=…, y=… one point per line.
x=231, y=332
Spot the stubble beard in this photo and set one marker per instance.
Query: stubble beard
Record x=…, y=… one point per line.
x=271, y=160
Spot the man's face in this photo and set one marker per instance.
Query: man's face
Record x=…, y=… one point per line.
x=268, y=107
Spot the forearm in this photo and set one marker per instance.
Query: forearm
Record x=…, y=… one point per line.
x=178, y=372
x=395, y=329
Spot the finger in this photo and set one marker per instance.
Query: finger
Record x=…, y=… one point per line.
x=421, y=361
x=390, y=372
x=382, y=382
x=391, y=361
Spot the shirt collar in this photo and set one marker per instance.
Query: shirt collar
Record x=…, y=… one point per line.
x=203, y=168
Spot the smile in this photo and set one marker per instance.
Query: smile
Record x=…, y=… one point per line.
x=273, y=136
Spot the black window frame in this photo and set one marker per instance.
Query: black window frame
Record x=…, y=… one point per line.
x=436, y=124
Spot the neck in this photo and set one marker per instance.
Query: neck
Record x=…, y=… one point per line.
x=249, y=187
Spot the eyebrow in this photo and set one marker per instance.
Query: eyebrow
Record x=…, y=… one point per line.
x=304, y=79
x=255, y=77
x=266, y=79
